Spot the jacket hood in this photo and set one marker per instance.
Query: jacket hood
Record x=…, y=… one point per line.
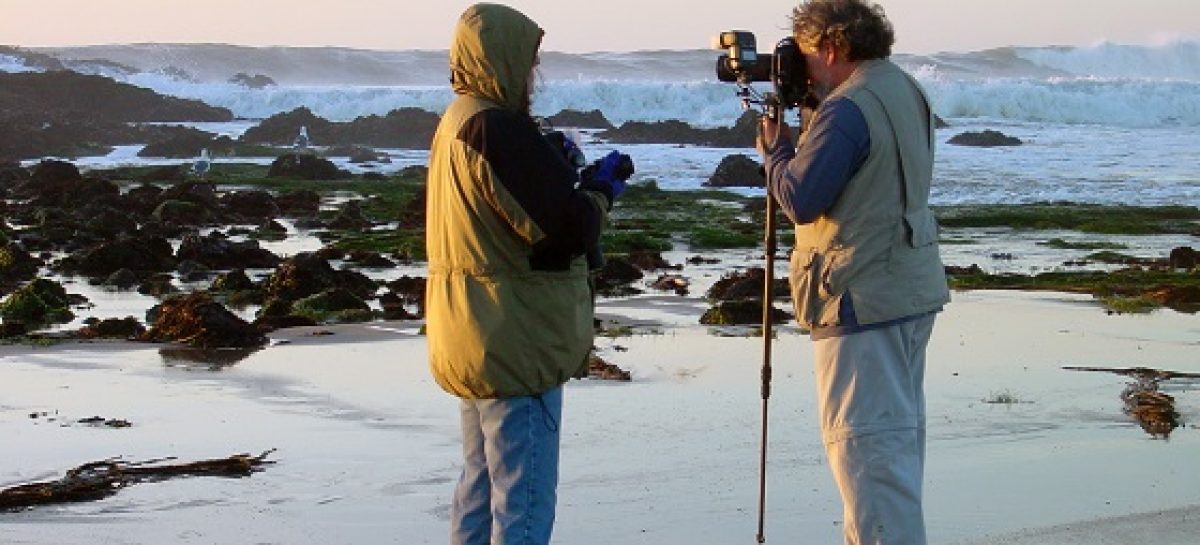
x=493, y=53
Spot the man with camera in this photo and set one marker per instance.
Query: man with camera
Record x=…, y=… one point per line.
x=508, y=306
x=866, y=276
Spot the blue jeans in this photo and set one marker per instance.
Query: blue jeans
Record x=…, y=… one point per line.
x=507, y=491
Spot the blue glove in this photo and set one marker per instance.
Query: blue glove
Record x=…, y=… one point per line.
x=608, y=175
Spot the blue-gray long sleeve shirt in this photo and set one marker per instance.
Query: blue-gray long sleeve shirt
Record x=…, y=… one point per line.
x=806, y=182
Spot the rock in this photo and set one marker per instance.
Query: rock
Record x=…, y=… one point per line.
x=40, y=302
x=59, y=184
x=939, y=123
x=108, y=222
x=614, y=278
x=393, y=307
x=741, y=312
x=256, y=81
x=201, y=193
x=16, y=265
x=593, y=119
x=218, y=252
x=250, y=206
x=745, y=285
x=139, y=254
x=741, y=135
x=410, y=128
x=305, y=166
x=671, y=282
x=602, y=370
x=281, y=129
x=649, y=260
x=179, y=143
x=13, y=329
x=410, y=291
x=357, y=154
x=122, y=279
x=1179, y=298
x=351, y=217
x=197, y=320
x=66, y=95
x=737, y=171
x=306, y=274
x=337, y=304
x=112, y=328
x=987, y=139
x=1184, y=257
x=370, y=260
x=181, y=213
x=302, y=202
x=271, y=323
x=192, y=271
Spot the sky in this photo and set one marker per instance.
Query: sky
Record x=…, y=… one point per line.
x=922, y=26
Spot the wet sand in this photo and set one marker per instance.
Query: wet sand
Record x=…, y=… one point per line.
x=368, y=445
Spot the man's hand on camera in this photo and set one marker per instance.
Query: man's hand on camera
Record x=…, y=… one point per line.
x=772, y=132
x=608, y=175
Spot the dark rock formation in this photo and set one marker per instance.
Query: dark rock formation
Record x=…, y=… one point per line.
x=741, y=312
x=38, y=303
x=614, y=278
x=350, y=216
x=16, y=265
x=197, y=320
x=593, y=119
x=986, y=139
x=410, y=291
x=603, y=370
x=299, y=203
x=112, y=328
x=305, y=166
x=737, y=171
x=1184, y=257
x=218, y=252
x=745, y=285
x=139, y=254
x=249, y=206
x=410, y=128
x=256, y=81
x=741, y=135
x=181, y=213
x=182, y=143
x=64, y=95
x=336, y=304
x=649, y=260
x=306, y=274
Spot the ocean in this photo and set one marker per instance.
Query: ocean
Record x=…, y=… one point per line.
x=1111, y=123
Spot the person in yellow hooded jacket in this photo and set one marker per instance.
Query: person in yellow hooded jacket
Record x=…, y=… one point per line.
x=508, y=306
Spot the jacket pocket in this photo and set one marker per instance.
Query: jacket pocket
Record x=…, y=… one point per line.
x=804, y=281
x=922, y=227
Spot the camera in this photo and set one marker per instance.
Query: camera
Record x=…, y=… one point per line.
x=743, y=64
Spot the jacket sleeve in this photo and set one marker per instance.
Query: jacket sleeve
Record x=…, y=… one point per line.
x=807, y=182
x=566, y=220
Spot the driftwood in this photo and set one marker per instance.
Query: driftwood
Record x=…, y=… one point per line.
x=1153, y=410
x=98, y=480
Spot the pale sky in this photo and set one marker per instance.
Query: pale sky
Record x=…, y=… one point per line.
x=922, y=26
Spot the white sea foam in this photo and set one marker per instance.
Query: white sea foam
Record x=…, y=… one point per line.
x=14, y=65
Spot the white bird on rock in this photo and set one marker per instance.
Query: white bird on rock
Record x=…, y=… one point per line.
x=203, y=164
x=301, y=141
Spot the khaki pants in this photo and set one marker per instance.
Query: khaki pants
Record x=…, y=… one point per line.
x=870, y=391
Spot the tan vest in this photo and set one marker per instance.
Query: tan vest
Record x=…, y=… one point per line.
x=878, y=243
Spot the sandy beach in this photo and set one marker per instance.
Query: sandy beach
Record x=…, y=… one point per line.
x=368, y=445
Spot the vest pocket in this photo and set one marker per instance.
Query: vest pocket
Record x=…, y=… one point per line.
x=804, y=282
x=922, y=227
